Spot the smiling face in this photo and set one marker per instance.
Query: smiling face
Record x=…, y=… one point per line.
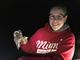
x=57, y=18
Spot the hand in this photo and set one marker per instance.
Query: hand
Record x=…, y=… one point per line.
x=23, y=40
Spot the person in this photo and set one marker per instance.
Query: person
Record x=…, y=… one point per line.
x=54, y=41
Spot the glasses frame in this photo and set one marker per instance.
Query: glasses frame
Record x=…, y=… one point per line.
x=59, y=17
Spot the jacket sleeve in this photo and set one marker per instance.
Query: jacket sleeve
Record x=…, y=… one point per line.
x=30, y=47
x=66, y=49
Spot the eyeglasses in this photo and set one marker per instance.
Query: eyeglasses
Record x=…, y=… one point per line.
x=59, y=17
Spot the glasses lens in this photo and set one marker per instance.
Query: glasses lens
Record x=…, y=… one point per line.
x=59, y=17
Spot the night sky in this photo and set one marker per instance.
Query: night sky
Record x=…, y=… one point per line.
x=29, y=15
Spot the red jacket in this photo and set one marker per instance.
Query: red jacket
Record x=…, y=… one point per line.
x=51, y=45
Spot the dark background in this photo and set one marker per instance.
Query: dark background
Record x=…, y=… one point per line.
x=29, y=15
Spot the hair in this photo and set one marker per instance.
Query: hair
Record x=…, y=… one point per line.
x=62, y=7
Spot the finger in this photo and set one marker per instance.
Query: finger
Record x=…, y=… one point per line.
x=24, y=40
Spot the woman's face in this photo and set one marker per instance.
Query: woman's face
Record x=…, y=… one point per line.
x=57, y=19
